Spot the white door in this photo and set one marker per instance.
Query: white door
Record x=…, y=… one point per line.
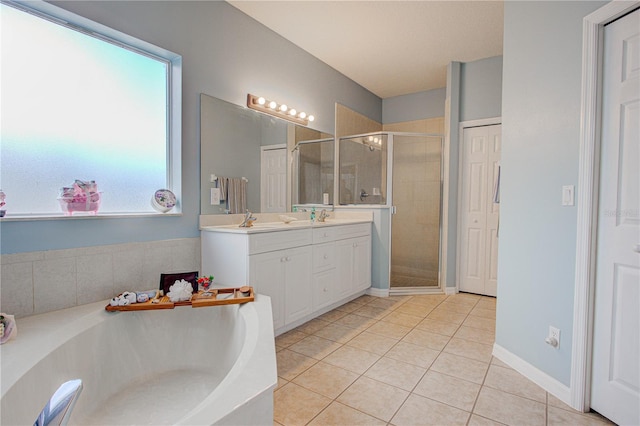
x=615, y=391
x=479, y=214
x=273, y=180
x=298, y=296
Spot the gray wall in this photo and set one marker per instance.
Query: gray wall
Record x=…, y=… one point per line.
x=541, y=120
x=415, y=106
x=481, y=89
x=225, y=54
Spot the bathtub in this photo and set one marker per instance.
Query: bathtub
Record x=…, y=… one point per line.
x=210, y=365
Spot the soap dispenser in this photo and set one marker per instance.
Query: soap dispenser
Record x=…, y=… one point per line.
x=313, y=214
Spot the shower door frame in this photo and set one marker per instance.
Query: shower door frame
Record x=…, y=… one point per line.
x=439, y=289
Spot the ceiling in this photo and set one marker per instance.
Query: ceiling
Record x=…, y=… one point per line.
x=391, y=48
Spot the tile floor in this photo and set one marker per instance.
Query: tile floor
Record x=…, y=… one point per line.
x=412, y=360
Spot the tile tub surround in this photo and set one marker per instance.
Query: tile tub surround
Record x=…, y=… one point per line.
x=411, y=360
x=38, y=282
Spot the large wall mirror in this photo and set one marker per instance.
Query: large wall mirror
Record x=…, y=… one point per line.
x=233, y=141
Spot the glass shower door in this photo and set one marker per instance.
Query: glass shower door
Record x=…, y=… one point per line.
x=417, y=199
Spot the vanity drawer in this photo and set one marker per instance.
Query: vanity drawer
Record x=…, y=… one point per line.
x=324, y=234
x=352, y=231
x=278, y=240
x=324, y=256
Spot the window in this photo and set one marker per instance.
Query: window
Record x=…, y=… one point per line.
x=82, y=101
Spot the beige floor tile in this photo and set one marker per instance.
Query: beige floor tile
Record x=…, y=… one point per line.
x=337, y=333
x=295, y=405
x=289, y=338
x=509, y=409
x=413, y=354
x=356, y=321
x=396, y=373
x=402, y=319
x=446, y=316
x=476, y=420
x=440, y=327
x=558, y=416
x=372, y=312
x=364, y=299
x=349, y=307
x=281, y=383
x=386, y=303
x=487, y=303
x=460, y=367
x=290, y=363
x=331, y=316
x=372, y=342
x=352, y=359
x=555, y=402
x=476, y=335
x=315, y=347
x=312, y=326
x=326, y=379
x=448, y=390
x=496, y=361
x=415, y=310
x=337, y=414
x=418, y=410
x=468, y=349
x=508, y=380
x=464, y=298
x=277, y=424
x=481, y=323
x=483, y=313
x=447, y=306
x=425, y=301
x=389, y=329
x=374, y=398
x=426, y=338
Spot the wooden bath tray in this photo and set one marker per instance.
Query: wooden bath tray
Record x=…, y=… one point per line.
x=219, y=296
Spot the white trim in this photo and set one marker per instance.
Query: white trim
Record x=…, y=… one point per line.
x=462, y=126
x=587, y=199
x=540, y=378
x=450, y=290
x=410, y=291
x=378, y=292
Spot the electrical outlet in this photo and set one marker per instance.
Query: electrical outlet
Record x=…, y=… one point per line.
x=554, y=337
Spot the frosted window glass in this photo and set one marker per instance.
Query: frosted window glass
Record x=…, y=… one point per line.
x=77, y=107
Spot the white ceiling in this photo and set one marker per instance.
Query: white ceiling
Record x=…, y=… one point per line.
x=390, y=47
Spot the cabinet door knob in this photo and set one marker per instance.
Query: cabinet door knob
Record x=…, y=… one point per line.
x=325, y=235
x=355, y=244
x=288, y=258
x=283, y=259
x=324, y=289
x=326, y=256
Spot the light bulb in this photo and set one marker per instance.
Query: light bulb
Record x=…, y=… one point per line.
x=370, y=138
x=311, y=118
x=273, y=105
x=302, y=114
x=261, y=100
x=292, y=112
x=375, y=140
x=283, y=108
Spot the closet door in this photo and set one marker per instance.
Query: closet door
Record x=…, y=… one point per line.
x=479, y=214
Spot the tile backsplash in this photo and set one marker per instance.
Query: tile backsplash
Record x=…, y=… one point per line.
x=42, y=281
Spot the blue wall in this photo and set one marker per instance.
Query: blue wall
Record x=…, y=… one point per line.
x=415, y=106
x=225, y=54
x=481, y=89
x=540, y=146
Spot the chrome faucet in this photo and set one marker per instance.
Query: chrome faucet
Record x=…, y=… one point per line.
x=248, y=220
x=323, y=215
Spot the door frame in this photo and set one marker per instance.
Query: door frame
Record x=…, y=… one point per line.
x=462, y=127
x=587, y=197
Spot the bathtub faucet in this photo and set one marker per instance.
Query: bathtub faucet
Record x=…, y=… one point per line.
x=248, y=220
x=58, y=409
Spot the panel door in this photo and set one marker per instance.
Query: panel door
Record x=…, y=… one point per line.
x=298, y=296
x=344, y=270
x=615, y=391
x=479, y=214
x=273, y=181
x=267, y=277
x=361, y=263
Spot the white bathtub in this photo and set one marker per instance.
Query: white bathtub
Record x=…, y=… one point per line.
x=210, y=365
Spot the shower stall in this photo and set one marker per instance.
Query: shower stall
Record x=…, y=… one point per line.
x=314, y=172
x=401, y=171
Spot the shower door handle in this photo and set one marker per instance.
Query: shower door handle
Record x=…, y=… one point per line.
x=393, y=210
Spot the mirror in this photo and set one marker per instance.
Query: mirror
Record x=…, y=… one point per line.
x=232, y=139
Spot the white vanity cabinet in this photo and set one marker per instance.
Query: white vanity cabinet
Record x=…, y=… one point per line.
x=306, y=270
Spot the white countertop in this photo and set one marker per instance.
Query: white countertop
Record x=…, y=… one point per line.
x=259, y=227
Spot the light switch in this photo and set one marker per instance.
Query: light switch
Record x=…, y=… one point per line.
x=568, y=195
x=215, y=196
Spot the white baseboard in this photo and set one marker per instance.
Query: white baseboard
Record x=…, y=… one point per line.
x=378, y=292
x=450, y=290
x=540, y=378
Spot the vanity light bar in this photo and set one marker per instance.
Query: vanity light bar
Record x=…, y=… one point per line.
x=278, y=110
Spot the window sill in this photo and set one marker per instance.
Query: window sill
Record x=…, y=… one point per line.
x=22, y=218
